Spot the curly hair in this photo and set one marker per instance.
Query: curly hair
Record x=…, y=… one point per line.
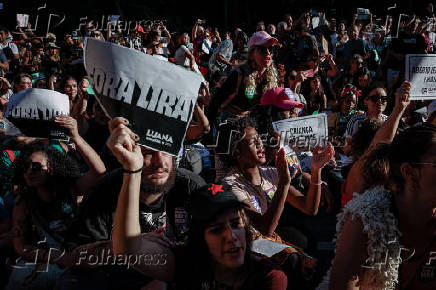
x=64, y=170
x=228, y=137
x=271, y=74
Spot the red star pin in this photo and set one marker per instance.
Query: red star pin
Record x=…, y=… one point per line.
x=215, y=188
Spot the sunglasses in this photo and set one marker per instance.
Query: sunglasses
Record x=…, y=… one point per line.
x=292, y=77
x=376, y=98
x=154, y=45
x=35, y=166
x=264, y=49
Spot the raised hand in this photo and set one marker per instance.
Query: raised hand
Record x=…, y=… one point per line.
x=282, y=167
x=122, y=143
x=402, y=96
x=320, y=157
x=69, y=123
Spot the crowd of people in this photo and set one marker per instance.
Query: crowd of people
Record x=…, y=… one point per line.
x=101, y=212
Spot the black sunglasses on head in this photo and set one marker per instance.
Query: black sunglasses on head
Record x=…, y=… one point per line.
x=35, y=166
x=264, y=49
x=376, y=98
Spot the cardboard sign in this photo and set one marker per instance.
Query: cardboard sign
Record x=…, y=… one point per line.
x=303, y=133
x=421, y=72
x=157, y=97
x=31, y=113
x=23, y=19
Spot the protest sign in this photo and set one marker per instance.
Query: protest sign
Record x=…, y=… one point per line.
x=23, y=20
x=157, y=97
x=303, y=133
x=363, y=14
x=421, y=72
x=31, y=113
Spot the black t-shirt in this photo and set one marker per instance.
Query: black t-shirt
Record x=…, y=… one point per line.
x=96, y=213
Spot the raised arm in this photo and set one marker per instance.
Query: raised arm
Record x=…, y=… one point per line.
x=387, y=131
x=194, y=31
x=91, y=158
x=309, y=204
x=275, y=208
x=385, y=134
x=126, y=236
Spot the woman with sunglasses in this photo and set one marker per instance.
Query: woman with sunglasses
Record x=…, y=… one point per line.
x=246, y=84
x=375, y=102
x=390, y=228
x=50, y=185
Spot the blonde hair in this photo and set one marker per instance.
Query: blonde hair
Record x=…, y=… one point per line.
x=271, y=74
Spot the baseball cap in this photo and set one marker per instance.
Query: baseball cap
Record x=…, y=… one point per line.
x=210, y=200
x=282, y=98
x=262, y=38
x=431, y=108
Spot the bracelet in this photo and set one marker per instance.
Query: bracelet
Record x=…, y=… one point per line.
x=317, y=184
x=133, y=171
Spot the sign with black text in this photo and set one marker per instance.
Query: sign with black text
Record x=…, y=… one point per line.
x=421, y=72
x=157, y=97
x=31, y=113
x=303, y=133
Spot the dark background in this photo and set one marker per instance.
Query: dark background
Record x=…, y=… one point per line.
x=224, y=14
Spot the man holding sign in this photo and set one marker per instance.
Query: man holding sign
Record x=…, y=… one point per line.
x=143, y=91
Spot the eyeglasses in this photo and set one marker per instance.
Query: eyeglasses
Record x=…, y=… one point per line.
x=359, y=62
x=424, y=163
x=35, y=166
x=264, y=49
x=376, y=98
x=292, y=77
x=154, y=45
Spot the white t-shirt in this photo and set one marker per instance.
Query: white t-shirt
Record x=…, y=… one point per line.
x=179, y=56
x=180, y=59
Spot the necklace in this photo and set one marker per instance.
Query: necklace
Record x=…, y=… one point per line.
x=258, y=189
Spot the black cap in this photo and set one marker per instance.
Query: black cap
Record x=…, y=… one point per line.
x=210, y=200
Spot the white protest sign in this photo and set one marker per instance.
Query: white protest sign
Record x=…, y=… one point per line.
x=23, y=19
x=157, y=97
x=31, y=113
x=421, y=72
x=303, y=133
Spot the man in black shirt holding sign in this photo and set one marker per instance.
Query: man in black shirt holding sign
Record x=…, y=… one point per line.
x=163, y=205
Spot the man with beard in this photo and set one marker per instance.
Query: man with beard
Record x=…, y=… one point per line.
x=164, y=197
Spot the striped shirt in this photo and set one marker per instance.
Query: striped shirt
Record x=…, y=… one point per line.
x=353, y=124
